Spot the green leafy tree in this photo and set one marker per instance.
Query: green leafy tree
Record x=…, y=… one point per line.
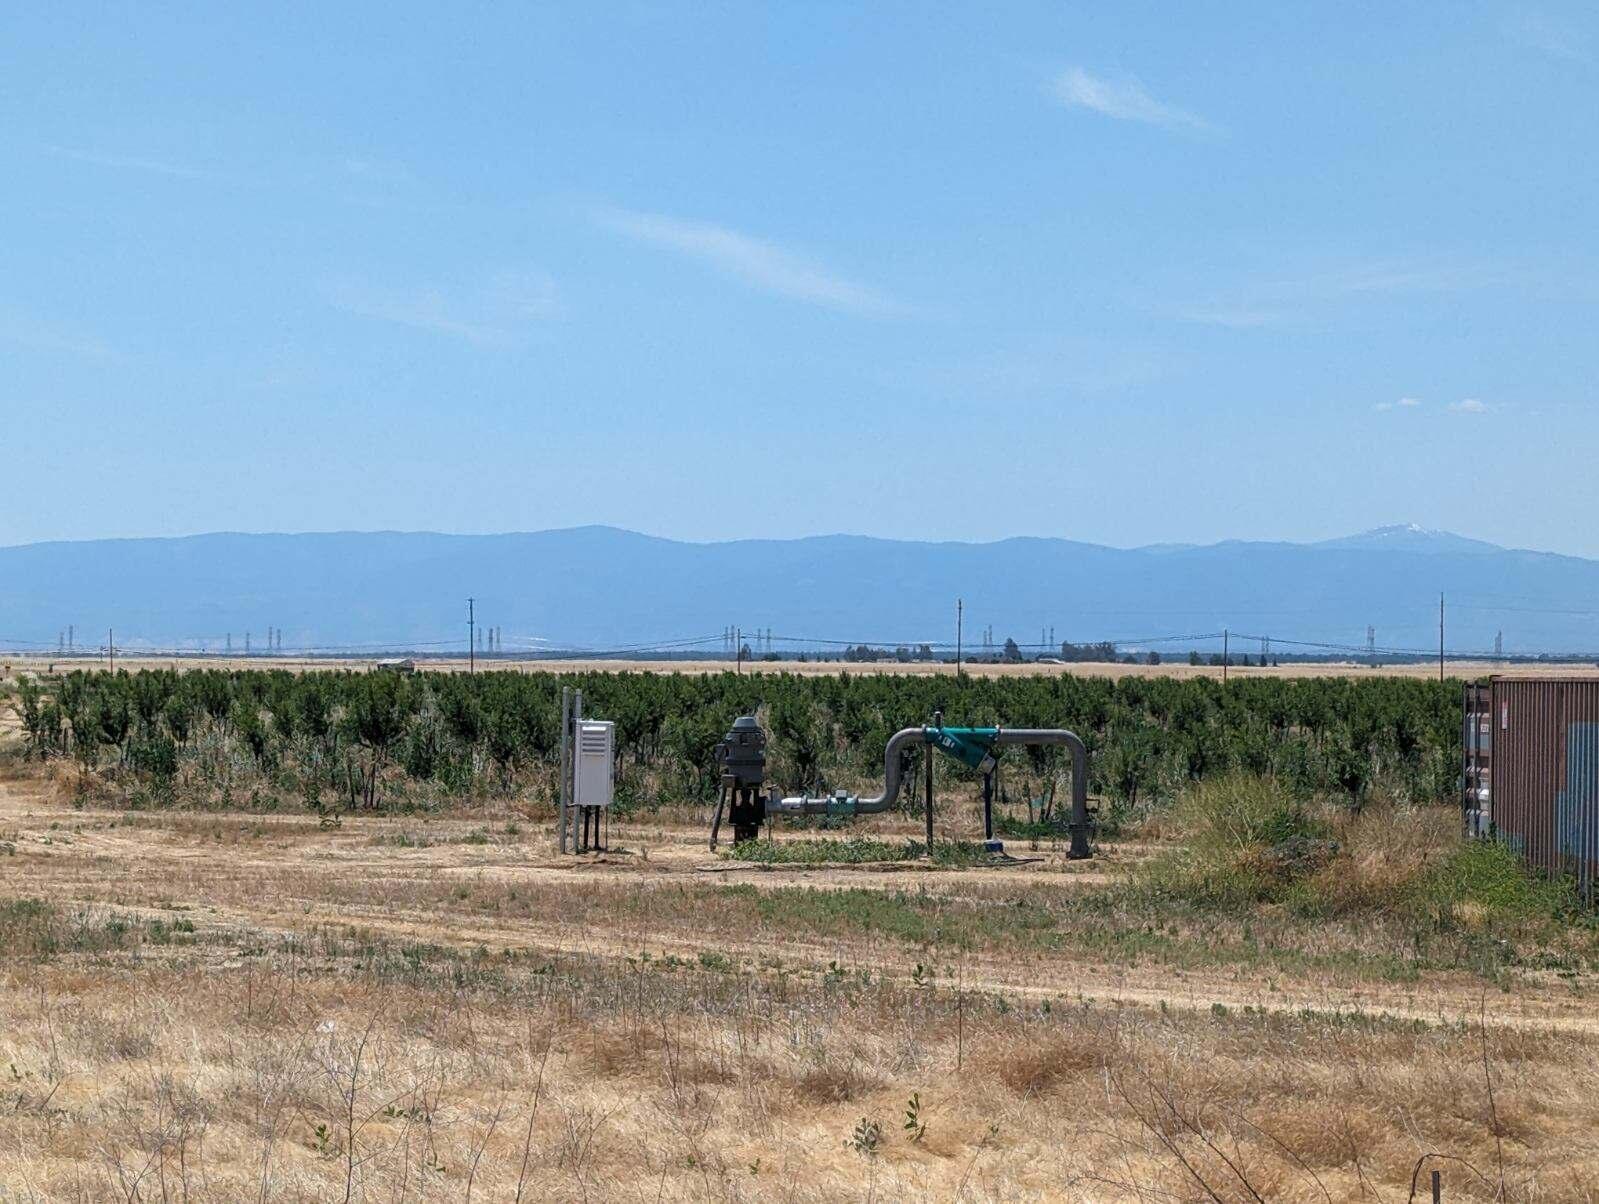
x=377, y=707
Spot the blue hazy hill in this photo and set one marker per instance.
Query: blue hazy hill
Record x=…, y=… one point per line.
x=600, y=586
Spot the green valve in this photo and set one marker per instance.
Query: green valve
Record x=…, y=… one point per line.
x=971, y=746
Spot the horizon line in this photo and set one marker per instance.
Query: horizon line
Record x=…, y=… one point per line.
x=1155, y=547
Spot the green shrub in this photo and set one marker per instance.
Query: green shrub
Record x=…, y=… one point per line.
x=1238, y=812
x=1243, y=840
x=1484, y=883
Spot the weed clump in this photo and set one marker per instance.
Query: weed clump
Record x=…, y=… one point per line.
x=1481, y=881
x=1245, y=848
x=1243, y=841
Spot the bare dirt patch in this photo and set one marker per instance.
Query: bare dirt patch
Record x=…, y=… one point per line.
x=226, y=1006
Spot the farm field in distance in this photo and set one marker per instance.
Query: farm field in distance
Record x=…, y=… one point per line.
x=211, y=990
x=1174, y=668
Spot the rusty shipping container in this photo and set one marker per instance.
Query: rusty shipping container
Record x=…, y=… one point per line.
x=1535, y=741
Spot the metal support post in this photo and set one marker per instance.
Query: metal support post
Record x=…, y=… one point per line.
x=927, y=791
x=566, y=766
x=577, y=719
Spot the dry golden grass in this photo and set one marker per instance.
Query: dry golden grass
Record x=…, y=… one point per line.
x=243, y=1007
x=1383, y=849
x=333, y=1070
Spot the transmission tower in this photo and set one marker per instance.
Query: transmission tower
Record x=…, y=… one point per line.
x=1499, y=645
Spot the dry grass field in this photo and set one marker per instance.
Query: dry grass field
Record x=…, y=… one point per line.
x=222, y=1006
x=132, y=662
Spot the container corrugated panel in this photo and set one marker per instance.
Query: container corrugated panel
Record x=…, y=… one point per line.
x=1545, y=773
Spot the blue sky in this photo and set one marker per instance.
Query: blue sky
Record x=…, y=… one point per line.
x=1124, y=273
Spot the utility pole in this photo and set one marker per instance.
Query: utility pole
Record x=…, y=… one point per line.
x=960, y=618
x=1440, y=636
x=1224, y=657
x=71, y=634
x=111, y=649
x=738, y=650
x=471, y=636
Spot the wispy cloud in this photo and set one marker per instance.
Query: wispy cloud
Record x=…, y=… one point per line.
x=354, y=180
x=1233, y=317
x=378, y=171
x=160, y=167
x=495, y=314
x=1389, y=276
x=23, y=329
x=761, y=264
x=1549, y=36
x=1124, y=100
x=1288, y=299
x=1051, y=369
x=1469, y=405
x=1404, y=403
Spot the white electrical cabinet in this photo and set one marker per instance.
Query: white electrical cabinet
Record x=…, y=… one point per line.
x=594, y=784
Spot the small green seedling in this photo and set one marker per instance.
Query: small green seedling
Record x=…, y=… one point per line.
x=915, y=1124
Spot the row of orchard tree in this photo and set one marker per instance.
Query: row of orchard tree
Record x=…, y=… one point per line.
x=334, y=739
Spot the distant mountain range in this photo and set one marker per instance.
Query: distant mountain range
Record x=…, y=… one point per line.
x=600, y=587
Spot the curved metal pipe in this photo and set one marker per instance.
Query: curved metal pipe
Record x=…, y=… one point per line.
x=1080, y=825
x=845, y=804
x=851, y=804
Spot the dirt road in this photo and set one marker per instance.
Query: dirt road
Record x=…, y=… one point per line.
x=439, y=881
